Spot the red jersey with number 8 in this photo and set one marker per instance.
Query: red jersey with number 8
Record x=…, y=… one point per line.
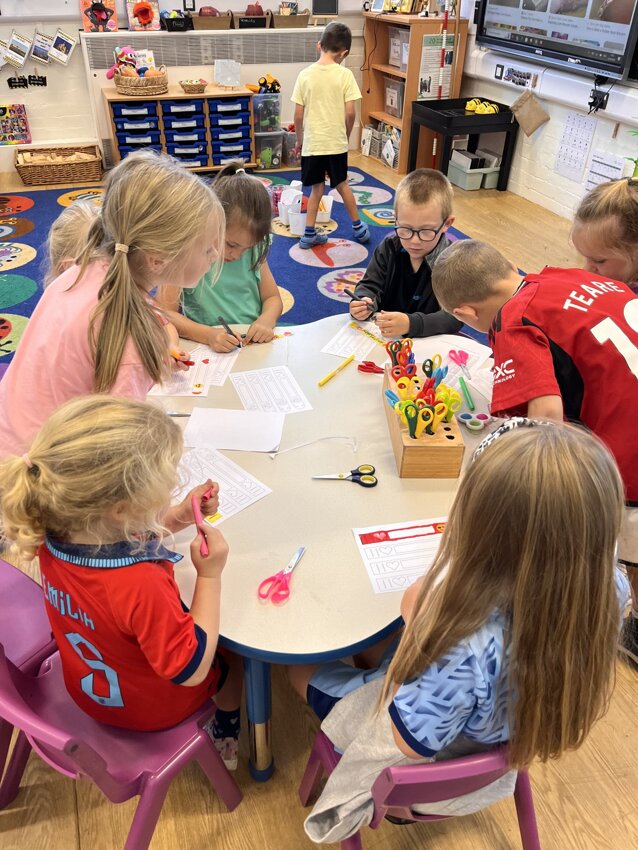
x=571, y=333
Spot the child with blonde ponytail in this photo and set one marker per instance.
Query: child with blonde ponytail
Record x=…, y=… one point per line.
x=97, y=330
x=509, y=637
x=90, y=498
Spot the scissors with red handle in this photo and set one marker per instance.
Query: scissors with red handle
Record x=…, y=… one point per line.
x=277, y=587
x=370, y=367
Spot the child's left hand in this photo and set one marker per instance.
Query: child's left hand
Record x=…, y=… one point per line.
x=393, y=324
x=259, y=332
x=179, y=360
x=180, y=515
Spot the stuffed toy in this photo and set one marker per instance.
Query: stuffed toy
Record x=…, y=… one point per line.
x=255, y=10
x=124, y=59
x=144, y=14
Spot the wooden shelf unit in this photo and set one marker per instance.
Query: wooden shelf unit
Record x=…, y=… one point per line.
x=376, y=46
x=111, y=95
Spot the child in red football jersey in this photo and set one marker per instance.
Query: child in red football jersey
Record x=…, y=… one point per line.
x=565, y=345
x=90, y=498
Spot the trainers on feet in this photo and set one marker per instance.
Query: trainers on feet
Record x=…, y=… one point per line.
x=629, y=638
x=361, y=234
x=311, y=241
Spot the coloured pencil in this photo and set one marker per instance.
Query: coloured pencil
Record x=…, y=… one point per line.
x=466, y=394
x=336, y=371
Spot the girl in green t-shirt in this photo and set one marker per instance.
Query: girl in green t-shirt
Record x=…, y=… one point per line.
x=245, y=292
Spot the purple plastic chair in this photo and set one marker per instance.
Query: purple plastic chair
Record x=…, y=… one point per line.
x=123, y=764
x=397, y=789
x=24, y=631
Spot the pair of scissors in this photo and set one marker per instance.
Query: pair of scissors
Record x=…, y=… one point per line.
x=452, y=399
x=277, y=587
x=369, y=367
x=408, y=388
x=363, y=475
x=393, y=348
x=432, y=363
x=460, y=358
x=391, y=398
x=439, y=375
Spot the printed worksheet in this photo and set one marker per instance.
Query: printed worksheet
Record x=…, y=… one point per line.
x=238, y=489
x=398, y=554
x=272, y=390
x=210, y=370
x=349, y=340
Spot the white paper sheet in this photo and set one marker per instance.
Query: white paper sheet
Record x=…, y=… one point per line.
x=573, y=149
x=238, y=489
x=443, y=344
x=238, y=430
x=270, y=390
x=397, y=554
x=483, y=382
x=349, y=340
x=604, y=167
x=210, y=370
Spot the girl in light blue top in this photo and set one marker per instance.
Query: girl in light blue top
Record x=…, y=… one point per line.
x=245, y=292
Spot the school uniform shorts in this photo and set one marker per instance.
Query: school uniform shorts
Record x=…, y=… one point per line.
x=315, y=168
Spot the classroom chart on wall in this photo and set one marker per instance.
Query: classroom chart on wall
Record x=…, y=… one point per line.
x=238, y=489
x=270, y=390
x=573, y=150
x=397, y=554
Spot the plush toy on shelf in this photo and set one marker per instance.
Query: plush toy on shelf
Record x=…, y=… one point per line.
x=124, y=62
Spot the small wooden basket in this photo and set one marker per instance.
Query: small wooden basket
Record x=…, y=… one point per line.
x=298, y=21
x=43, y=166
x=439, y=455
x=222, y=21
x=142, y=86
x=193, y=86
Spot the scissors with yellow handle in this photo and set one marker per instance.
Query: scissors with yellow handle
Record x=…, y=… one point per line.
x=431, y=364
x=408, y=388
x=426, y=416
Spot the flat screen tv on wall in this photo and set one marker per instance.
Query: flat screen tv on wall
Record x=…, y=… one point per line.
x=594, y=37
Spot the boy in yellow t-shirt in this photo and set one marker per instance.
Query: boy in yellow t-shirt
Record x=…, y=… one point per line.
x=325, y=95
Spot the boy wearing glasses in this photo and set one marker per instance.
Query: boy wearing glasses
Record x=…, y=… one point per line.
x=397, y=285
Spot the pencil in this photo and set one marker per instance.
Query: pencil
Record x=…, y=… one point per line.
x=466, y=393
x=228, y=330
x=350, y=294
x=334, y=371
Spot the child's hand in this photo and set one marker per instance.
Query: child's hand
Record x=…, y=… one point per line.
x=362, y=310
x=221, y=341
x=182, y=514
x=393, y=324
x=212, y=565
x=259, y=332
x=179, y=360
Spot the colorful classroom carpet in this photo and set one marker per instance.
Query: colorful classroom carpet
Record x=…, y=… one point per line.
x=311, y=282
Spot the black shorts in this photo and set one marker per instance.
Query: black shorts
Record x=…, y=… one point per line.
x=315, y=168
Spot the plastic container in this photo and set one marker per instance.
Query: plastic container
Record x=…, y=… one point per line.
x=194, y=162
x=267, y=112
x=138, y=139
x=231, y=134
x=125, y=150
x=297, y=223
x=182, y=107
x=490, y=178
x=223, y=158
x=269, y=149
x=290, y=156
x=394, y=91
x=228, y=105
x=234, y=119
x=230, y=148
x=134, y=110
x=185, y=136
x=474, y=178
x=186, y=151
x=404, y=36
x=135, y=125
x=184, y=122
x=394, y=46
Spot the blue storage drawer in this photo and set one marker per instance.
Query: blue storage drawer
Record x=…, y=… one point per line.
x=195, y=161
x=230, y=134
x=228, y=106
x=134, y=110
x=186, y=150
x=182, y=107
x=230, y=148
x=136, y=125
x=182, y=137
x=184, y=122
x=139, y=139
x=125, y=150
x=223, y=158
x=236, y=119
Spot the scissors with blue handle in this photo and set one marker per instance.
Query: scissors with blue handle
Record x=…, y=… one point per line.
x=391, y=398
x=439, y=375
x=432, y=363
x=363, y=475
x=277, y=587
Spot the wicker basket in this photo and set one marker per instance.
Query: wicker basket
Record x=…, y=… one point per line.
x=59, y=171
x=142, y=86
x=193, y=86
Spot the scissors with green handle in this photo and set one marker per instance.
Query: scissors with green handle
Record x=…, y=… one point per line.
x=363, y=475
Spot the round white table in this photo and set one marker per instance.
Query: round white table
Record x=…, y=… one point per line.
x=332, y=611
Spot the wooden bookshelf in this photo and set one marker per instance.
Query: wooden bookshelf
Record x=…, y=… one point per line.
x=376, y=67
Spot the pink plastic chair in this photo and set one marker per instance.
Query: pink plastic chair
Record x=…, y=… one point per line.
x=24, y=631
x=397, y=789
x=123, y=764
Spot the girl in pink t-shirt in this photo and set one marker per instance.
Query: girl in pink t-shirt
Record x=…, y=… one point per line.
x=95, y=328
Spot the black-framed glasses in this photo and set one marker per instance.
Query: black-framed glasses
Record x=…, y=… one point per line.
x=425, y=234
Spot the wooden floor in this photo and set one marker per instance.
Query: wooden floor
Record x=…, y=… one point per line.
x=587, y=801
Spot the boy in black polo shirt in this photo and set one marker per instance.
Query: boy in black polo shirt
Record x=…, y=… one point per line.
x=397, y=285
